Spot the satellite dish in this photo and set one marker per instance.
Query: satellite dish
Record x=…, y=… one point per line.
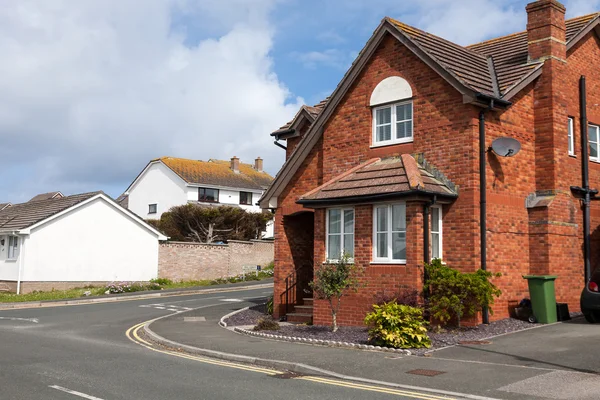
x=506, y=147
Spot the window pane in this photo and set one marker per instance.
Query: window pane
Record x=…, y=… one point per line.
x=349, y=244
x=383, y=116
x=349, y=221
x=384, y=133
x=403, y=112
x=593, y=150
x=398, y=217
x=570, y=135
x=435, y=220
x=382, y=245
x=382, y=219
x=335, y=221
x=592, y=134
x=435, y=245
x=212, y=195
x=334, y=250
x=399, y=246
x=403, y=129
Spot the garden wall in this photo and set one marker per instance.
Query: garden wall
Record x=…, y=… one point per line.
x=198, y=261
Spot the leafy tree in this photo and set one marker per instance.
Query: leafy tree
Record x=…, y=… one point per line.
x=332, y=281
x=455, y=294
x=209, y=224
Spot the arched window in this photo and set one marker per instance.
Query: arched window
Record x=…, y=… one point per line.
x=391, y=102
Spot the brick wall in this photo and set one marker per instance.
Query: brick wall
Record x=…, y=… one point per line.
x=198, y=261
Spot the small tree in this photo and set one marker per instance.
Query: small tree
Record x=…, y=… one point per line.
x=332, y=281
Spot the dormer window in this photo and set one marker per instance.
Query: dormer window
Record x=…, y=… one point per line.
x=392, y=106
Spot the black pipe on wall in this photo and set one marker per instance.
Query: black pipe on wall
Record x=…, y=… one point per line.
x=483, y=199
x=585, y=184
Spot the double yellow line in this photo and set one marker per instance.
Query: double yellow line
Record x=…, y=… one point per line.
x=132, y=334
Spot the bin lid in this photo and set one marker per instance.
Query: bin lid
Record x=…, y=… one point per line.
x=541, y=277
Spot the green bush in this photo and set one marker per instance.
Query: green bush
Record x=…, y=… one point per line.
x=267, y=324
x=454, y=294
x=270, y=305
x=397, y=325
x=161, y=281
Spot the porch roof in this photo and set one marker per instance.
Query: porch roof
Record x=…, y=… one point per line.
x=380, y=179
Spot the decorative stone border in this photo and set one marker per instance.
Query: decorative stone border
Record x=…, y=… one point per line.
x=319, y=342
x=226, y=317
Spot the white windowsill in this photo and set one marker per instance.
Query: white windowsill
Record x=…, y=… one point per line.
x=11, y=259
x=388, y=262
x=391, y=143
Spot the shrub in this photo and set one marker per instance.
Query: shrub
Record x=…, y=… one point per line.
x=270, y=305
x=454, y=294
x=267, y=324
x=397, y=325
x=162, y=281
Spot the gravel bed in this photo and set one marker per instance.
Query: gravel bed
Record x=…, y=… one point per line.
x=249, y=316
x=359, y=335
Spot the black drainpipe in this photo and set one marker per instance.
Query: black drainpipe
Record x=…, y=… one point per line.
x=483, y=196
x=585, y=179
x=279, y=145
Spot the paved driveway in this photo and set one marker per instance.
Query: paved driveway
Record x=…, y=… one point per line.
x=564, y=357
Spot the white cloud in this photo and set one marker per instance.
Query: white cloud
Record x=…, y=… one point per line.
x=335, y=58
x=90, y=91
x=576, y=8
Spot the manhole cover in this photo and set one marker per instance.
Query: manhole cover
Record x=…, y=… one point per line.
x=287, y=375
x=474, y=342
x=426, y=372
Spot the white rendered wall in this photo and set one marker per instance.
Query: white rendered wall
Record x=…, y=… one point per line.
x=228, y=197
x=9, y=269
x=95, y=242
x=157, y=185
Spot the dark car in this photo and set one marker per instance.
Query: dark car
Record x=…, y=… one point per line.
x=590, y=299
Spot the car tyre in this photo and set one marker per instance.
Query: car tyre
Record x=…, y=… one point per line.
x=593, y=317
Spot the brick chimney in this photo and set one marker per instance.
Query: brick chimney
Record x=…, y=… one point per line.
x=235, y=164
x=258, y=164
x=546, y=31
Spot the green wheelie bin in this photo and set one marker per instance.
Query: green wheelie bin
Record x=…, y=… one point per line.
x=543, y=297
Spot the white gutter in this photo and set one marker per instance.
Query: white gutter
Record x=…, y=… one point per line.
x=21, y=262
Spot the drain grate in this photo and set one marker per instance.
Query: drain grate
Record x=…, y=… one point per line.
x=474, y=342
x=426, y=372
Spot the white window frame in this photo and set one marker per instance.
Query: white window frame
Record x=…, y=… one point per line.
x=597, y=128
x=389, y=259
x=571, y=137
x=12, y=254
x=394, y=124
x=342, y=233
x=440, y=232
x=155, y=208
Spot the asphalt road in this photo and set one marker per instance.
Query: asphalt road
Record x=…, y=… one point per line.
x=81, y=352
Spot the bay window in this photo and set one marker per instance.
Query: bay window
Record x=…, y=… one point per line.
x=436, y=232
x=340, y=233
x=389, y=233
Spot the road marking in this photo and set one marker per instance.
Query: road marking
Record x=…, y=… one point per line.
x=132, y=334
x=75, y=393
x=232, y=300
x=34, y=320
x=162, y=306
x=203, y=298
x=414, y=395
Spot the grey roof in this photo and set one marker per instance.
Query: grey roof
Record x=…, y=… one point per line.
x=4, y=205
x=24, y=215
x=47, y=196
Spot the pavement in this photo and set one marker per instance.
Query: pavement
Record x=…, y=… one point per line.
x=556, y=361
x=90, y=351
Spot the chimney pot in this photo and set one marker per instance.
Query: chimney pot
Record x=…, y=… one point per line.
x=546, y=31
x=258, y=164
x=235, y=164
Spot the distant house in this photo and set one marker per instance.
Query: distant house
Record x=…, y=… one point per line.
x=47, y=196
x=63, y=242
x=168, y=181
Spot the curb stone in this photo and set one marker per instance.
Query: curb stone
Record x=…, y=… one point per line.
x=97, y=300
x=318, y=342
x=290, y=366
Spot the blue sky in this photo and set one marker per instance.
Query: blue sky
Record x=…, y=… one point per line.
x=91, y=91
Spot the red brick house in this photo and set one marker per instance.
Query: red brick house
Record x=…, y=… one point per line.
x=387, y=168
